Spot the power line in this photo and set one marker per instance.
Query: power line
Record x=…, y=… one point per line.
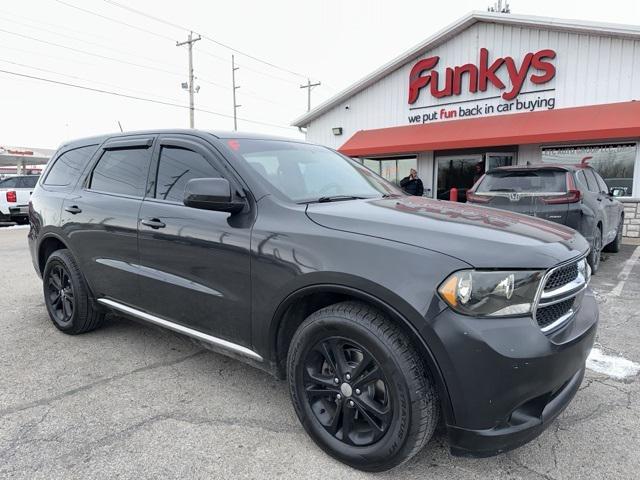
x=85, y=52
x=134, y=97
x=206, y=37
x=75, y=77
x=135, y=27
x=88, y=42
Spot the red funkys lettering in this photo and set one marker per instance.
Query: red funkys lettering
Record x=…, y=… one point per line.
x=517, y=76
x=489, y=73
x=418, y=82
x=481, y=75
x=548, y=68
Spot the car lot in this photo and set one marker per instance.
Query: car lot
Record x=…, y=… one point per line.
x=133, y=401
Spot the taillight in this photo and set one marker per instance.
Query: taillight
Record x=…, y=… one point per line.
x=475, y=198
x=573, y=195
x=12, y=197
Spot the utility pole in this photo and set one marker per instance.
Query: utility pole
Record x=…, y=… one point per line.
x=309, y=86
x=235, y=87
x=190, y=41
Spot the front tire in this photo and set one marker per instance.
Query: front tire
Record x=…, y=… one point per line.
x=596, y=247
x=614, y=247
x=67, y=295
x=360, y=388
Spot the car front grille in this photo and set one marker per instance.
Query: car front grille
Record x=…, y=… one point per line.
x=562, y=276
x=561, y=294
x=545, y=316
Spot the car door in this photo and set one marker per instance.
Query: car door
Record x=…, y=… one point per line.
x=610, y=206
x=603, y=203
x=100, y=217
x=196, y=263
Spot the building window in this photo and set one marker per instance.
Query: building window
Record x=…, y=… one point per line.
x=392, y=169
x=614, y=162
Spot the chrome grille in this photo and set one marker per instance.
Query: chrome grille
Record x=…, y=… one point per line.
x=562, y=276
x=545, y=316
x=560, y=294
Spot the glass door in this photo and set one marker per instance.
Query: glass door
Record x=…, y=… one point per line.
x=459, y=172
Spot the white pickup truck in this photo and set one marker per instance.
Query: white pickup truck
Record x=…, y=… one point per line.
x=15, y=193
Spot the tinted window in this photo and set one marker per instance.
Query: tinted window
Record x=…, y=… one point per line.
x=524, y=181
x=583, y=182
x=122, y=171
x=11, y=182
x=601, y=185
x=28, y=182
x=591, y=180
x=177, y=166
x=68, y=167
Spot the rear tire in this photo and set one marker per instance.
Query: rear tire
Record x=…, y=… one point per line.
x=596, y=247
x=360, y=388
x=67, y=296
x=614, y=247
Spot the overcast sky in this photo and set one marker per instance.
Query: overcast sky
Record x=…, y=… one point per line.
x=334, y=41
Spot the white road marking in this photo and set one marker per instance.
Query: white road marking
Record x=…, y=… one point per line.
x=624, y=274
x=616, y=367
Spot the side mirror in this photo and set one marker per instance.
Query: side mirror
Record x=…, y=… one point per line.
x=617, y=191
x=211, y=194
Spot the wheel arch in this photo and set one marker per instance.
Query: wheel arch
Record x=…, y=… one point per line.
x=49, y=243
x=298, y=305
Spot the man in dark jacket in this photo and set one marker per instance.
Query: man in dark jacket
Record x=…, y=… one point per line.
x=412, y=184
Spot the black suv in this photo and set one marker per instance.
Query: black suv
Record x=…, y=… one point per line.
x=383, y=311
x=573, y=195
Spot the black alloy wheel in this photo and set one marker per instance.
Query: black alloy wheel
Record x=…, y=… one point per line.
x=347, y=391
x=60, y=295
x=69, y=303
x=596, y=249
x=360, y=387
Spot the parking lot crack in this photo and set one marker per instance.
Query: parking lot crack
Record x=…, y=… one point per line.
x=97, y=383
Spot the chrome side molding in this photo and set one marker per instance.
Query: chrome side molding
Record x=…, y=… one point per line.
x=215, y=341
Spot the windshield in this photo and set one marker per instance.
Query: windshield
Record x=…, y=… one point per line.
x=310, y=173
x=524, y=181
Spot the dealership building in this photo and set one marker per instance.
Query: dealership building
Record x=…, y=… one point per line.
x=497, y=89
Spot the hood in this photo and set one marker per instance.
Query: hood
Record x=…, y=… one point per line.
x=483, y=237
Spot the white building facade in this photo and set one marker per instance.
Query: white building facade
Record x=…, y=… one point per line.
x=497, y=89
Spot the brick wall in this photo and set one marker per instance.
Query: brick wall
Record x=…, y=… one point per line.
x=631, y=227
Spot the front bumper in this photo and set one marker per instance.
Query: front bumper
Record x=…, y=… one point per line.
x=507, y=381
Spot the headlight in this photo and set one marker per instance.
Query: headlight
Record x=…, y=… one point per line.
x=491, y=293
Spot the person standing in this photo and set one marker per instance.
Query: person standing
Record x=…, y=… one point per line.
x=412, y=184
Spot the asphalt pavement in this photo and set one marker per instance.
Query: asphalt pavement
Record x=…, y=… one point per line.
x=132, y=401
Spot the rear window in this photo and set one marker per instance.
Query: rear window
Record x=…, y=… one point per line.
x=524, y=181
x=28, y=182
x=11, y=182
x=68, y=167
x=122, y=171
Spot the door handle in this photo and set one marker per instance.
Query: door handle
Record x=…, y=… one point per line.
x=73, y=209
x=599, y=199
x=153, y=223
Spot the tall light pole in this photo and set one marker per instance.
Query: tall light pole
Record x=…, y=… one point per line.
x=190, y=41
x=234, y=87
x=309, y=86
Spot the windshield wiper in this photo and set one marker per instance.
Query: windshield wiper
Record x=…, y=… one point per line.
x=338, y=198
x=502, y=190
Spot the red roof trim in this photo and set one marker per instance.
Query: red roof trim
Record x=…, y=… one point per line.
x=595, y=122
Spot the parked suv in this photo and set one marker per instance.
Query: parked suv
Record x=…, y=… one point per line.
x=573, y=195
x=14, y=197
x=383, y=311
